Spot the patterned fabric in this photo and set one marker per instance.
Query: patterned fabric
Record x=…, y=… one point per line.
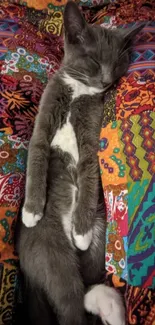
x=30, y=51
x=126, y=11
x=26, y=62
x=57, y=5
x=127, y=161
x=139, y=302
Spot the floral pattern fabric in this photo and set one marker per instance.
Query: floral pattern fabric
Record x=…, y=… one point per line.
x=31, y=49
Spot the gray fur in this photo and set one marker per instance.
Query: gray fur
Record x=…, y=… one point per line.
x=49, y=262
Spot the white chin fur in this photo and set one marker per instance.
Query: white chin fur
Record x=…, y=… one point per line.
x=79, y=88
x=82, y=242
x=106, y=303
x=30, y=219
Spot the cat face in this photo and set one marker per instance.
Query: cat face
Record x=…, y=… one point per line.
x=94, y=55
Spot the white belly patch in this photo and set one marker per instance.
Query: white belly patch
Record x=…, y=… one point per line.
x=65, y=139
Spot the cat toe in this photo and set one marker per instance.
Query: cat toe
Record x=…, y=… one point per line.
x=106, y=303
x=30, y=219
x=82, y=241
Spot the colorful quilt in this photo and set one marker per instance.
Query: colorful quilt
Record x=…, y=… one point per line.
x=31, y=49
x=127, y=161
x=58, y=5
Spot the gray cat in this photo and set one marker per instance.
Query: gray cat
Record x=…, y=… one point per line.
x=62, y=237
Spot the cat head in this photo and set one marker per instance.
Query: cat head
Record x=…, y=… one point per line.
x=95, y=55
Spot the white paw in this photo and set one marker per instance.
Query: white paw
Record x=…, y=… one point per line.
x=30, y=219
x=106, y=303
x=82, y=241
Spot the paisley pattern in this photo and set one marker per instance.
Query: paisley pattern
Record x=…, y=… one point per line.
x=29, y=53
x=8, y=293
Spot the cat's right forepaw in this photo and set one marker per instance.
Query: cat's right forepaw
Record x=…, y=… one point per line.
x=30, y=219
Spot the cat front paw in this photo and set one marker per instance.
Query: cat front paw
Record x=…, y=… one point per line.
x=30, y=219
x=82, y=241
x=106, y=303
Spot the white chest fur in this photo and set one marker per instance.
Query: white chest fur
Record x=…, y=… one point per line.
x=65, y=139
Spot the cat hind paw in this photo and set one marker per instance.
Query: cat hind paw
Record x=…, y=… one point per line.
x=30, y=219
x=106, y=303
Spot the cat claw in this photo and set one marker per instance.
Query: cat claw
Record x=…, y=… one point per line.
x=82, y=241
x=30, y=219
x=106, y=303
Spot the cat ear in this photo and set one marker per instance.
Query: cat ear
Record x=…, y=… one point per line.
x=74, y=23
x=130, y=33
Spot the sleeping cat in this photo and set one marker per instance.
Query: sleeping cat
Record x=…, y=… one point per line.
x=62, y=237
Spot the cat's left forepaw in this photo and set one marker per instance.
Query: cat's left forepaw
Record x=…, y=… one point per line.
x=82, y=241
x=106, y=303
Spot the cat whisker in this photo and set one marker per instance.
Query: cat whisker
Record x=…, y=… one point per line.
x=80, y=79
x=126, y=50
x=76, y=71
x=73, y=73
x=76, y=76
x=107, y=87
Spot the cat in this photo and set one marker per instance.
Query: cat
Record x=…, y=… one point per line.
x=62, y=236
